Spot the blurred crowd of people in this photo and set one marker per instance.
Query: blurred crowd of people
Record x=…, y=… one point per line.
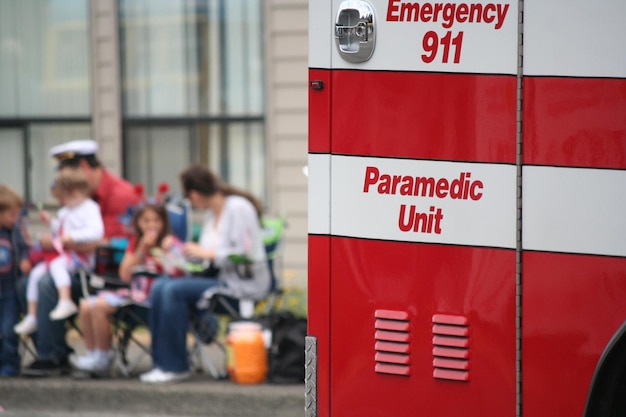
x=40, y=287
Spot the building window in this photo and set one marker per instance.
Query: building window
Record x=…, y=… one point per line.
x=44, y=88
x=193, y=90
x=44, y=59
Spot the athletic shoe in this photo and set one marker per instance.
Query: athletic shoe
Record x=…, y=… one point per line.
x=158, y=376
x=82, y=362
x=63, y=310
x=41, y=368
x=27, y=325
x=8, y=371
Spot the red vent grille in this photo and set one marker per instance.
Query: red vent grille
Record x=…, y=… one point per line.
x=392, y=342
x=451, y=345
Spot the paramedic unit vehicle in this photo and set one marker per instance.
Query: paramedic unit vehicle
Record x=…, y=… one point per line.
x=467, y=208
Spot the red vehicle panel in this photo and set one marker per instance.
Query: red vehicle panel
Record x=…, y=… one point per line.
x=368, y=276
x=467, y=168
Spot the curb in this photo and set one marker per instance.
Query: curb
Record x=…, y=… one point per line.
x=200, y=396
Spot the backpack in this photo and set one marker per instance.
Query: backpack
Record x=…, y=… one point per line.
x=286, y=352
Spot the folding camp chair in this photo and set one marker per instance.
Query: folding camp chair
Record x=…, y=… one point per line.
x=133, y=316
x=241, y=309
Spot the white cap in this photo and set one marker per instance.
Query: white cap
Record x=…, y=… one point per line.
x=72, y=149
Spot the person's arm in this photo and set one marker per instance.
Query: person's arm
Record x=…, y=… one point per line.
x=133, y=257
x=84, y=247
x=115, y=208
x=22, y=251
x=198, y=251
x=195, y=251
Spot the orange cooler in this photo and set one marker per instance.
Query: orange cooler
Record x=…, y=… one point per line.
x=246, y=354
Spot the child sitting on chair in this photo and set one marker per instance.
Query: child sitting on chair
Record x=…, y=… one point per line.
x=78, y=222
x=149, y=250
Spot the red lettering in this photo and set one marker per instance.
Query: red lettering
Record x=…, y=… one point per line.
x=427, y=10
x=442, y=188
x=406, y=226
x=448, y=15
x=476, y=11
x=466, y=186
x=407, y=186
x=486, y=17
x=385, y=184
x=420, y=222
x=438, y=7
x=501, y=15
x=420, y=218
x=456, y=188
x=410, y=11
x=461, y=12
x=396, y=180
x=392, y=7
x=371, y=177
x=476, y=195
x=425, y=183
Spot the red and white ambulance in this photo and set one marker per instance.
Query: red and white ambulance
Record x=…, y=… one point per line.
x=467, y=208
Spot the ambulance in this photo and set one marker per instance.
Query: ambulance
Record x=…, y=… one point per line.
x=467, y=208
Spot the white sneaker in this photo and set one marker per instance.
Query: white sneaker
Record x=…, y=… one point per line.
x=27, y=325
x=150, y=375
x=158, y=376
x=90, y=363
x=100, y=364
x=63, y=310
x=83, y=362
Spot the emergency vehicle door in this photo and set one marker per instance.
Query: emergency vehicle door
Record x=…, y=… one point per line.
x=412, y=206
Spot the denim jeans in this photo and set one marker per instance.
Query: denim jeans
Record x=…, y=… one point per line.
x=9, y=316
x=50, y=337
x=171, y=301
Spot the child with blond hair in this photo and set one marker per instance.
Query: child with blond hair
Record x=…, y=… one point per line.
x=78, y=222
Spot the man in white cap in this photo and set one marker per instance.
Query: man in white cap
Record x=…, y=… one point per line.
x=114, y=195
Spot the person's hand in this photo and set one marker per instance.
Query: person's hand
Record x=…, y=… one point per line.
x=45, y=217
x=168, y=242
x=147, y=241
x=25, y=266
x=45, y=240
x=193, y=250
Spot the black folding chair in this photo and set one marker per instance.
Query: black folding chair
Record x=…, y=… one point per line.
x=221, y=304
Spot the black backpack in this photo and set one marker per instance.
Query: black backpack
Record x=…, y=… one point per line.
x=286, y=352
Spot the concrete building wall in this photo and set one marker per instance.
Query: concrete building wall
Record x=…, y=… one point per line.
x=106, y=91
x=286, y=31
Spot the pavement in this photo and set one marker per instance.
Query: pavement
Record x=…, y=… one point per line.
x=118, y=395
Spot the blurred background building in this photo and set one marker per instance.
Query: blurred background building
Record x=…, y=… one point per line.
x=160, y=84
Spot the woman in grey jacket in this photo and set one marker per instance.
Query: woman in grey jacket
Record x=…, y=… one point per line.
x=231, y=230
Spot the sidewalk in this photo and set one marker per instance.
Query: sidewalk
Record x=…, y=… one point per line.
x=200, y=396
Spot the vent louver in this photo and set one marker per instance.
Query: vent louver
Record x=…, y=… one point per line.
x=451, y=347
x=392, y=342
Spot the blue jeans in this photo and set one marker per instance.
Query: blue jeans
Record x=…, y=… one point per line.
x=9, y=316
x=50, y=337
x=171, y=301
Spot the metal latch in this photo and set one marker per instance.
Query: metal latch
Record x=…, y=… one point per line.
x=355, y=33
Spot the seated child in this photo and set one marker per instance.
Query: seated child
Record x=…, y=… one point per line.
x=152, y=248
x=13, y=262
x=78, y=222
